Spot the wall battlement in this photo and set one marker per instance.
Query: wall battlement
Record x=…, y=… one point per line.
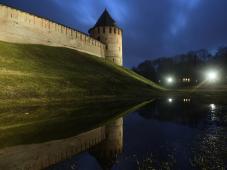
x=21, y=27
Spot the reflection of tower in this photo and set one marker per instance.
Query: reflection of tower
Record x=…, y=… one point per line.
x=106, y=152
x=114, y=137
x=107, y=31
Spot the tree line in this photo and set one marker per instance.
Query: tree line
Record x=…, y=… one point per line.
x=190, y=65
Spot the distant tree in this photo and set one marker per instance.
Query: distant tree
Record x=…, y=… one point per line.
x=222, y=52
x=164, y=66
x=203, y=55
x=147, y=70
x=221, y=57
x=188, y=65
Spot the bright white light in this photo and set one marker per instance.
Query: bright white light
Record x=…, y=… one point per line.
x=187, y=100
x=212, y=76
x=169, y=80
x=170, y=100
x=212, y=106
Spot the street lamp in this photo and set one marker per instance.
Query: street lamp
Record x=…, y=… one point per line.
x=212, y=76
x=169, y=80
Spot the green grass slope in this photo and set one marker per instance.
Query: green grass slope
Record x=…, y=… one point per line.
x=42, y=73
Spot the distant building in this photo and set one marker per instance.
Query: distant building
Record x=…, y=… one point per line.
x=186, y=80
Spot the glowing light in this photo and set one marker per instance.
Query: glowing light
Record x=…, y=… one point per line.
x=169, y=80
x=212, y=106
x=187, y=100
x=170, y=100
x=212, y=76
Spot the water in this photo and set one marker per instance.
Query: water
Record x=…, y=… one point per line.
x=165, y=134
x=169, y=133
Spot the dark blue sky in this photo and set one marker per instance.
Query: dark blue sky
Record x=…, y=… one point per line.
x=152, y=28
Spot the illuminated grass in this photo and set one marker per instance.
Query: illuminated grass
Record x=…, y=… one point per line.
x=49, y=73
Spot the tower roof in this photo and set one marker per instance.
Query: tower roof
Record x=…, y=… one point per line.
x=105, y=20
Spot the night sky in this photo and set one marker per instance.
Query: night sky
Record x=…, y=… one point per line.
x=152, y=28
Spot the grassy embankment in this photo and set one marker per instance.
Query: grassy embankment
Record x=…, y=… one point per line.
x=41, y=74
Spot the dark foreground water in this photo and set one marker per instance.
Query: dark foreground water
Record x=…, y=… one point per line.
x=165, y=134
x=171, y=133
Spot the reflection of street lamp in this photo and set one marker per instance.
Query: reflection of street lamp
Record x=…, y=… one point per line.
x=212, y=76
x=170, y=100
x=212, y=106
x=213, y=116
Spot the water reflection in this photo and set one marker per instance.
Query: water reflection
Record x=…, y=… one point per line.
x=38, y=137
x=198, y=137
x=170, y=100
x=162, y=135
x=187, y=100
x=107, y=151
x=183, y=133
x=39, y=156
x=181, y=111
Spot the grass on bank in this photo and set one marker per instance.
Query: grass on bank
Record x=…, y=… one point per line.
x=42, y=73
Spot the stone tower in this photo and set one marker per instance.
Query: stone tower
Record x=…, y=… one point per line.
x=107, y=31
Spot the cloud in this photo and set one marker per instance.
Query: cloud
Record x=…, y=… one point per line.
x=87, y=11
x=152, y=28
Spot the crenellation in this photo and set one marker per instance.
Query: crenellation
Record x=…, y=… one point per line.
x=107, y=32
x=21, y=27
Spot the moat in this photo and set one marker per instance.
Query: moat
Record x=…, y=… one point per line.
x=167, y=133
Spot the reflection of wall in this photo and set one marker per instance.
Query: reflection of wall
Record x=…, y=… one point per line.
x=39, y=156
x=21, y=27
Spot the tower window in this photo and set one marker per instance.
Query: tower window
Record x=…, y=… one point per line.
x=110, y=30
x=107, y=47
x=98, y=30
x=104, y=30
x=114, y=30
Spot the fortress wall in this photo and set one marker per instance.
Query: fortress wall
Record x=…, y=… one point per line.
x=21, y=27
